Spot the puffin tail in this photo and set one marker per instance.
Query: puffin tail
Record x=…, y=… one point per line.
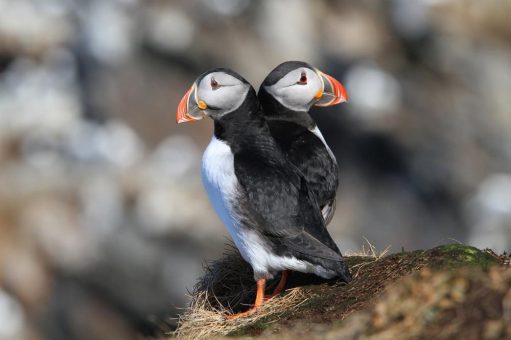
x=340, y=269
x=343, y=272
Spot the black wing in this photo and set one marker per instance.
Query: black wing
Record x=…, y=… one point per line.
x=308, y=153
x=285, y=210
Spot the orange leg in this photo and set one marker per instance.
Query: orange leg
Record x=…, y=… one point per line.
x=280, y=286
x=258, y=301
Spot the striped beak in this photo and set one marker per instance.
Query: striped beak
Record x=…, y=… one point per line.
x=333, y=92
x=188, y=110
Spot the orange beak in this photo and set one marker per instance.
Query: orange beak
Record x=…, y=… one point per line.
x=188, y=110
x=333, y=91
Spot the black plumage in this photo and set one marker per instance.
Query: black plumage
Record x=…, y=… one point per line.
x=293, y=132
x=274, y=197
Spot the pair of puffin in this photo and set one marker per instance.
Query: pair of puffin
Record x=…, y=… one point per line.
x=268, y=171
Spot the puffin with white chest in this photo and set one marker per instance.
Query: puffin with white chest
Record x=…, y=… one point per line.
x=286, y=96
x=261, y=197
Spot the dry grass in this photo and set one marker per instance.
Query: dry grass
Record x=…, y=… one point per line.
x=369, y=250
x=202, y=320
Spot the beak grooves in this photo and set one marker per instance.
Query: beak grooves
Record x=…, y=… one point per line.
x=182, y=115
x=333, y=91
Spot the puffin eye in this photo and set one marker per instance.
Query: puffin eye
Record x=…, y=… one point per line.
x=214, y=84
x=303, y=79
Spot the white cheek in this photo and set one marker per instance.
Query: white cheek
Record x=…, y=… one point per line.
x=218, y=98
x=297, y=97
x=224, y=99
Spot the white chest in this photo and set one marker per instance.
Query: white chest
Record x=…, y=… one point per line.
x=218, y=167
x=221, y=185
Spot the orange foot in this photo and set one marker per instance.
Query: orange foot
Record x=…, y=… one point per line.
x=258, y=301
x=280, y=286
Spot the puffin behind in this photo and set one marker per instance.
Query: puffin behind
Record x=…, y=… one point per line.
x=286, y=95
x=263, y=199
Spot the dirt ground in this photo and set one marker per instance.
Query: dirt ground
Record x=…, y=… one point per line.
x=451, y=291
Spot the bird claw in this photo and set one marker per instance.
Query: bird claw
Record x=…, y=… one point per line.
x=241, y=315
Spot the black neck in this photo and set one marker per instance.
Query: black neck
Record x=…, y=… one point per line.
x=273, y=110
x=243, y=126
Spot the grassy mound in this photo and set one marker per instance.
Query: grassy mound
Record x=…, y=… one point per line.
x=312, y=307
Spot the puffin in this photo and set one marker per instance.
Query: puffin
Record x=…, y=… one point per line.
x=263, y=199
x=286, y=96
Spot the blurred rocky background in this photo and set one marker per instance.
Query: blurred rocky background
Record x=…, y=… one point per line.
x=104, y=224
